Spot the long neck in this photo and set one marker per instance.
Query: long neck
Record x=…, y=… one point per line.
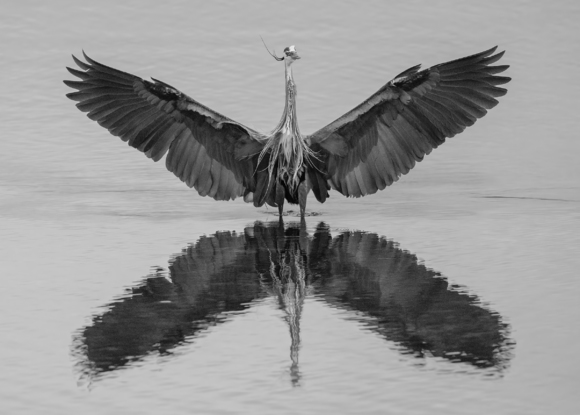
x=286, y=148
x=288, y=124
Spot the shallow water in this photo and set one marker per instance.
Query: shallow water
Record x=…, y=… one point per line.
x=453, y=291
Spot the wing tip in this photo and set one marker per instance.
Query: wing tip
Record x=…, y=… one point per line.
x=499, y=54
x=92, y=61
x=486, y=54
x=84, y=66
x=492, y=49
x=66, y=81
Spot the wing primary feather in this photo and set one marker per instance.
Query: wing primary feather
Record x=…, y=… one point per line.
x=496, y=80
x=492, y=70
x=107, y=69
x=462, y=116
x=474, y=109
x=81, y=64
x=450, y=118
x=482, y=76
x=98, y=90
x=79, y=74
x=79, y=85
x=472, y=95
x=108, y=77
x=109, y=113
x=458, y=63
x=492, y=59
x=434, y=116
x=96, y=82
x=92, y=94
x=96, y=78
x=91, y=104
x=477, y=86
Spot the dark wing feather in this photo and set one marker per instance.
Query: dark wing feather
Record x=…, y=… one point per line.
x=371, y=146
x=207, y=150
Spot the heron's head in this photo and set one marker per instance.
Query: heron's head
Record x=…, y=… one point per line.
x=290, y=54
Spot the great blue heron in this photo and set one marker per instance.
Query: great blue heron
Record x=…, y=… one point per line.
x=365, y=150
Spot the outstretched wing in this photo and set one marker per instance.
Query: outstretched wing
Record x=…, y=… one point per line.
x=207, y=150
x=371, y=146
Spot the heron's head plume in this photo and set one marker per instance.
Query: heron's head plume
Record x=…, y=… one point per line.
x=290, y=54
x=273, y=54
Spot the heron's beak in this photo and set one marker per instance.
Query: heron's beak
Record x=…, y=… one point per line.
x=294, y=55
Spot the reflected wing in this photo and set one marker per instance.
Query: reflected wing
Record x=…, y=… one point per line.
x=207, y=150
x=217, y=272
x=209, y=283
x=411, y=303
x=368, y=148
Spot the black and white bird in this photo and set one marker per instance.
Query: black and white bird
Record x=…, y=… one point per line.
x=365, y=150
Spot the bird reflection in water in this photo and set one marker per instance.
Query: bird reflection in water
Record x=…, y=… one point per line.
x=282, y=263
x=367, y=276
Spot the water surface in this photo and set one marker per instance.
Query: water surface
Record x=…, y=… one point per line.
x=99, y=315
x=226, y=274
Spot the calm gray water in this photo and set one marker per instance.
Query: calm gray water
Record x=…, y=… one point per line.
x=454, y=291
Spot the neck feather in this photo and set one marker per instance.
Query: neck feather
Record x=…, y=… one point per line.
x=288, y=123
x=288, y=151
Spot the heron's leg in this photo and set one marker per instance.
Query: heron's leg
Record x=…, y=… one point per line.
x=280, y=197
x=302, y=195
